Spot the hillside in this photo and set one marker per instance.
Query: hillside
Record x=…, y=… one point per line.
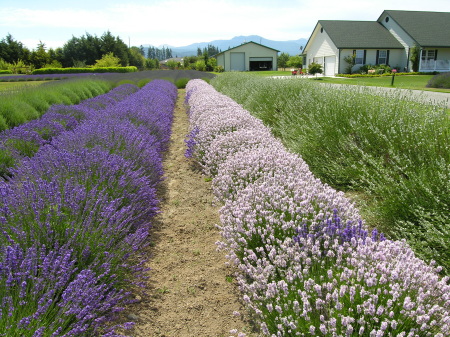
x=291, y=47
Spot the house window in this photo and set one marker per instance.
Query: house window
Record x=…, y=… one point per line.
x=382, y=57
x=428, y=55
x=359, y=56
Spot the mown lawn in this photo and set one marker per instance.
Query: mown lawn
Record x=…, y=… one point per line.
x=413, y=82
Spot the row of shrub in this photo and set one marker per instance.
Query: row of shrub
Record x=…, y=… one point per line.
x=92, y=70
x=74, y=215
x=23, y=105
x=307, y=265
x=29, y=78
x=386, y=148
x=385, y=74
x=5, y=71
x=25, y=140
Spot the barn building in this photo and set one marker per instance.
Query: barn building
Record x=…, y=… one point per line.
x=249, y=56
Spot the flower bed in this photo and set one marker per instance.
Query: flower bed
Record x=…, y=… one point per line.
x=307, y=264
x=73, y=216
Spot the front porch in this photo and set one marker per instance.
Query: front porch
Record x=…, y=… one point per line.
x=434, y=65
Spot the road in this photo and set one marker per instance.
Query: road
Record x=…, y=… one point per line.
x=437, y=98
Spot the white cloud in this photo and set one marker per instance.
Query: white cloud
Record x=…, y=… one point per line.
x=69, y=18
x=180, y=22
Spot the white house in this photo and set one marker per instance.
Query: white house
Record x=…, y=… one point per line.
x=250, y=56
x=388, y=40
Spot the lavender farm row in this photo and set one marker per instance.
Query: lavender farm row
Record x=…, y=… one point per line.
x=307, y=264
x=25, y=140
x=388, y=150
x=74, y=215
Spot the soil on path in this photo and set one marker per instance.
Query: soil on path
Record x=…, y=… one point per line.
x=191, y=291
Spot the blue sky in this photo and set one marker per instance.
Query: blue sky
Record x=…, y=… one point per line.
x=182, y=22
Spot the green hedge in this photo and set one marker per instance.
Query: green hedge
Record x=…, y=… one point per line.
x=385, y=74
x=41, y=71
x=5, y=72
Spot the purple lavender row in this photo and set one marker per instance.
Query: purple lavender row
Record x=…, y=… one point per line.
x=24, y=141
x=73, y=215
x=307, y=264
x=49, y=76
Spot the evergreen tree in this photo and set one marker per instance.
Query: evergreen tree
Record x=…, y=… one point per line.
x=109, y=43
x=39, y=57
x=12, y=51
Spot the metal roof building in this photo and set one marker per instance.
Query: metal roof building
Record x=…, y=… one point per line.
x=250, y=56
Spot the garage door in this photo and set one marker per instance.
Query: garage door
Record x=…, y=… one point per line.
x=261, y=63
x=330, y=64
x=237, y=61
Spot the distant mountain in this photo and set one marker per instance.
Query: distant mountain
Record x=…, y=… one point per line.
x=291, y=47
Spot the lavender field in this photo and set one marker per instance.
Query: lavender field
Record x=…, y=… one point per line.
x=307, y=263
x=77, y=198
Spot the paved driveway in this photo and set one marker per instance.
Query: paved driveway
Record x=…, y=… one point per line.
x=437, y=98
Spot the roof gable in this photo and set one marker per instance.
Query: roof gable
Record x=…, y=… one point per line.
x=428, y=29
x=359, y=34
x=243, y=44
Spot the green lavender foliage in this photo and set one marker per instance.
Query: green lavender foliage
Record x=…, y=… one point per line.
x=23, y=105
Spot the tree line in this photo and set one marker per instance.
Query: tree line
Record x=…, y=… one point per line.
x=82, y=51
x=209, y=50
x=159, y=53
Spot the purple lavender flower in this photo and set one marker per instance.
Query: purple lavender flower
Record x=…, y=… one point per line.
x=73, y=213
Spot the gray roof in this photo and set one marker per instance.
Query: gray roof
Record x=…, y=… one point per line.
x=359, y=34
x=428, y=29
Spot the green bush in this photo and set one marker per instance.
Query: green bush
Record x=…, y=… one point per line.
x=143, y=82
x=200, y=65
x=3, y=124
x=378, y=75
x=124, y=82
x=315, y=68
x=9, y=72
x=12, y=113
x=107, y=61
x=441, y=80
x=181, y=82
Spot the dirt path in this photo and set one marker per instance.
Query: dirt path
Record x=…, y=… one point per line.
x=191, y=290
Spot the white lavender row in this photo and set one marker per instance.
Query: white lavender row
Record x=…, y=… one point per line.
x=308, y=266
x=73, y=215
